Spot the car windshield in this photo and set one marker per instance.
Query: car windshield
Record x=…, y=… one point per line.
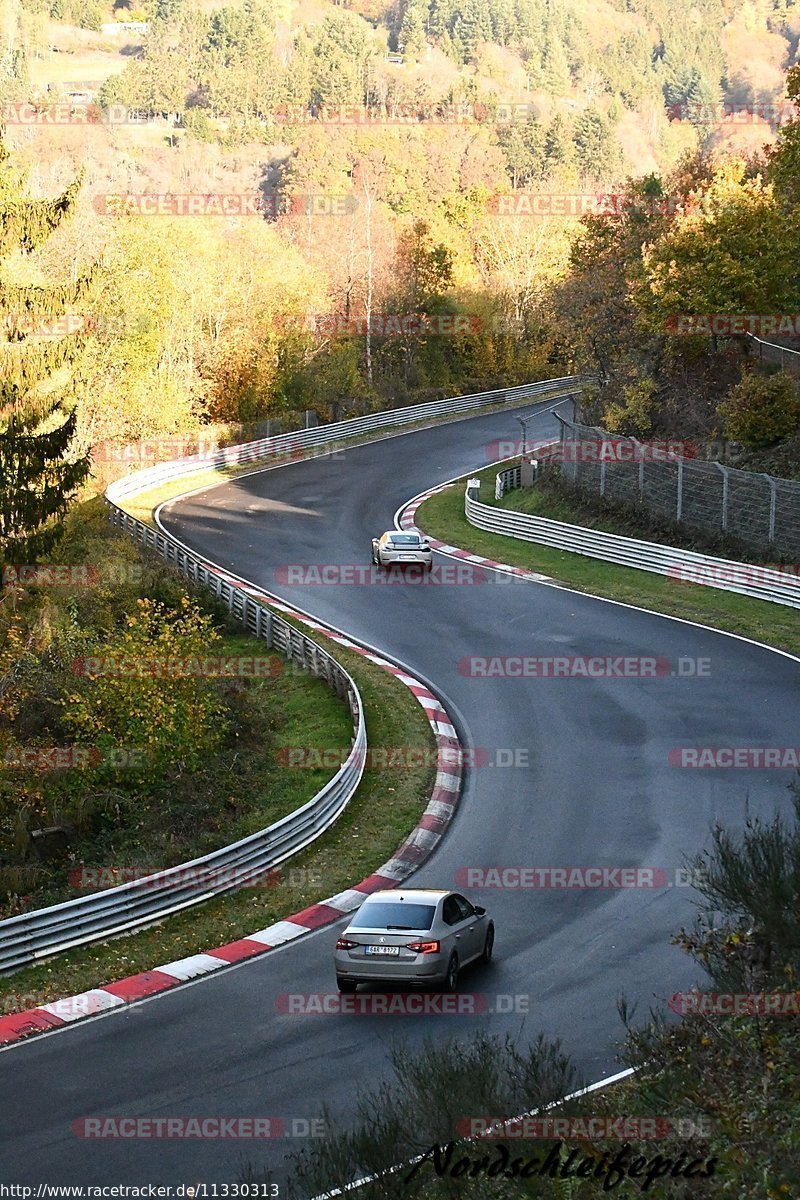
x=405, y=539
x=393, y=915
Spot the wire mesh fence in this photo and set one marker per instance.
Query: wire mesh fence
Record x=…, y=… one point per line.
x=786, y=357
x=761, y=510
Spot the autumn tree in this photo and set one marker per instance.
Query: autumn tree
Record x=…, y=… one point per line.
x=783, y=161
x=730, y=250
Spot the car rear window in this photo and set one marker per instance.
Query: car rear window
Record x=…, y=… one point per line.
x=383, y=914
x=405, y=539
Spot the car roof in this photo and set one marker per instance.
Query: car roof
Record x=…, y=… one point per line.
x=415, y=895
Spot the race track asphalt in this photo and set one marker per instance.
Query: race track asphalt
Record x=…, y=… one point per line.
x=597, y=789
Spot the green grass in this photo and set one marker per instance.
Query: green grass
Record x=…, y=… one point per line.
x=442, y=516
x=240, y=788
x=383, y=812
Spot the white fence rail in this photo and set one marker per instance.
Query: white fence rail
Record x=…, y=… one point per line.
x=684, y=566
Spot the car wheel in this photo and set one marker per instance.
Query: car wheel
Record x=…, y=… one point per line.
x=488, y=945
x=451, y=978
x=346, y=985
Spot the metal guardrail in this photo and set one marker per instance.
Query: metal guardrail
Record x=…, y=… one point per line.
x=30, y=936
x=684, y=566
x=507, y=481
x=283, y=447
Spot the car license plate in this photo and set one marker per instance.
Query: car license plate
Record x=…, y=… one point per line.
x=406, y=557
x=394, y=950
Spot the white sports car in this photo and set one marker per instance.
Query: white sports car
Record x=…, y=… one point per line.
x=394, y=547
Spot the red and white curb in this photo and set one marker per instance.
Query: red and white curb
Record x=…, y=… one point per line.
x=406, y=521
x=410, y=855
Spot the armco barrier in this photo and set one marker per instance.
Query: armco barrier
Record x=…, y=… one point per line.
x=285, y=445
x=682, y=565
x=26, y=938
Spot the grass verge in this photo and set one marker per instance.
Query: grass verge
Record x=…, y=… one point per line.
x=442, y=516
x=240, y=788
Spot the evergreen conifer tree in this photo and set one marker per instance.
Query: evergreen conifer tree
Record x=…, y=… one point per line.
x=39, y=472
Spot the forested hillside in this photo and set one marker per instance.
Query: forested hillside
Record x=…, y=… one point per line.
x=271, y=196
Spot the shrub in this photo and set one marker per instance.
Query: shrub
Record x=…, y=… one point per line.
x=634, y=418
x=177, y=717
x=761, y=410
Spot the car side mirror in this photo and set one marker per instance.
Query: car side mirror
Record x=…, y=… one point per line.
x=480, y=910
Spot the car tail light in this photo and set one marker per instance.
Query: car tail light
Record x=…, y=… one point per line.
x=345, y=944
x=423, y=947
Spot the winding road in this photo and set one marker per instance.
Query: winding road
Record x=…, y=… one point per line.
x=597, y=789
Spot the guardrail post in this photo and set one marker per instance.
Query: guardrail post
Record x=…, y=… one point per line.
x=725, y=482
x=773, y=504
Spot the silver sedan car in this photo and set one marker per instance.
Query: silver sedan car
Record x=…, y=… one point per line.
x=411, y=936
x=396, y=548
